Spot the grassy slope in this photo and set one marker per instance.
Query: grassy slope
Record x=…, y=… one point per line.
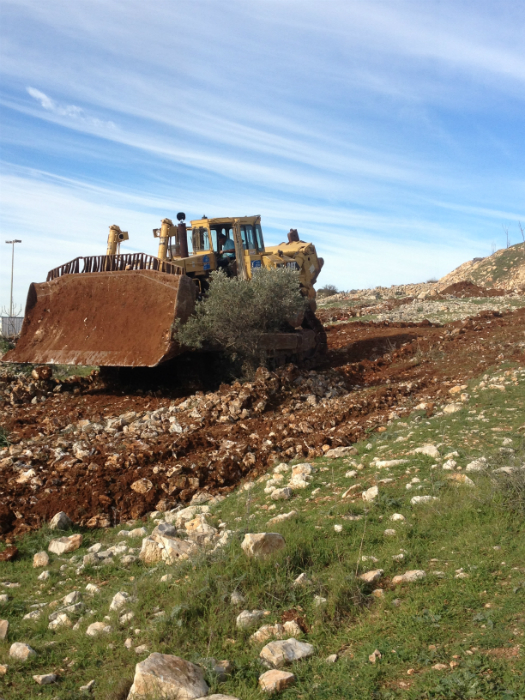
x=476, y=622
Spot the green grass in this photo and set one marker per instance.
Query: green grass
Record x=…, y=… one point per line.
x=438, y=620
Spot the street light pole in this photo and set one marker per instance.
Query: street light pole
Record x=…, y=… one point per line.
x=12, y=243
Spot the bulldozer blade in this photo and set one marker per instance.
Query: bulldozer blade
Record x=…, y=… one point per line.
x=111, y=319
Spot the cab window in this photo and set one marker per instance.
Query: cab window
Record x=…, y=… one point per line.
x=216, y=236
x=200, y=239
x=252, y=237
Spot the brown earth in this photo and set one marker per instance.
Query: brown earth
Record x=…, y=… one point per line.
x=469, y=290
x=89, y=441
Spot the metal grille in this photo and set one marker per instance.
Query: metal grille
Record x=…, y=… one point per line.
x=11, y=326
x=113, y=263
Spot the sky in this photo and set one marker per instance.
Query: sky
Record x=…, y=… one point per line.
x=390, y=133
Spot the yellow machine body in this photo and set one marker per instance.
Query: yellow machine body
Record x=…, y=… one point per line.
x=119, y=310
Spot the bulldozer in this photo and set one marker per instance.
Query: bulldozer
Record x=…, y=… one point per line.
x=119, y=310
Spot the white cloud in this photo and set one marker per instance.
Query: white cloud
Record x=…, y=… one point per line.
x=71, y=111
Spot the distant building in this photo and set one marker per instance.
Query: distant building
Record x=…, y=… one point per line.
x=11, y=326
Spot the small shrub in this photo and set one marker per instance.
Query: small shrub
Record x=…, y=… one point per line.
x=235, y=314
x=327, y=291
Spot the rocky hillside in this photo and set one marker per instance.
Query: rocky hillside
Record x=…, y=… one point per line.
x=505, y=269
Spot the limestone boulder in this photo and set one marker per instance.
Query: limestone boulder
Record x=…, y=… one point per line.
x=166, y=676
x=165, y=548
x=276, y=681
x=40, y=559
x=262, y=544
x=60, y=521
x=21, y=651
x=279, y=653
x=64, y=545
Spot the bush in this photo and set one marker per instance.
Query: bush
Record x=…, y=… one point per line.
x=327, y=291
x=236, y=313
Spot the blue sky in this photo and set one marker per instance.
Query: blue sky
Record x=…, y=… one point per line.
x=390, y=133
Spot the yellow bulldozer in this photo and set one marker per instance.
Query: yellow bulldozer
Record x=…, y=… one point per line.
x=119, y=310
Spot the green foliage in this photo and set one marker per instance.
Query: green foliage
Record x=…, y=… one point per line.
x=473, y=626
x=327, y=291
x=4, y=441
x=5, y=345
x=235, y=314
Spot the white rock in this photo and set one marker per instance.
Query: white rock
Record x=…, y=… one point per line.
x=45, y=679
x=163, y=675
x=281, y=468
x=262, y=544
x=478, y=465
x=337, y=452
x=283, y=494
x=429, y=450
x=299, y=482
x=63, y=545
x=372, y=576
x=276, y=681
x=4, y=627
x=71, y=598
x=96, y=628
x=138, y=532
x=370, y=494
x=44, y=576
x=40, y=559
x=60, y=521
x=389, y=462
x=409, y=576
x=168, y=549
x=282, y=517
x=303, y=470
x=452, y=408
x=91, y=588
x=61, y=620
x=450, y=465
x=415, y=500
x=277, y=654
x=319, y=600
x=331, y=659
x=397, y=517
x=266, y=632
x=350, y=474
x=33, y=615
x=461, y=480
x=179, y=517
x=88, y=687
x=142, y=486
x=21, y=651
x=389, y=533
x=338, y=528
x=301, y=580
x=398, y=557
x=237, y=598
x=119, y=600
x=250, y=618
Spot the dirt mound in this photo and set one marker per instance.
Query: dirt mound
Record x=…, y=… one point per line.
x=81, y=446
x=469, y=290
x=504, y=269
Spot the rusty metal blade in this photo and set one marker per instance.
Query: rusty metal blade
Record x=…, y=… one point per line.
x=118, y=319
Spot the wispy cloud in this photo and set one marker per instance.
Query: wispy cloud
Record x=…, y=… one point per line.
x=388, y=131
x=70, y=111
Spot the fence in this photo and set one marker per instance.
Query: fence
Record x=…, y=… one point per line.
x=11, y=326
